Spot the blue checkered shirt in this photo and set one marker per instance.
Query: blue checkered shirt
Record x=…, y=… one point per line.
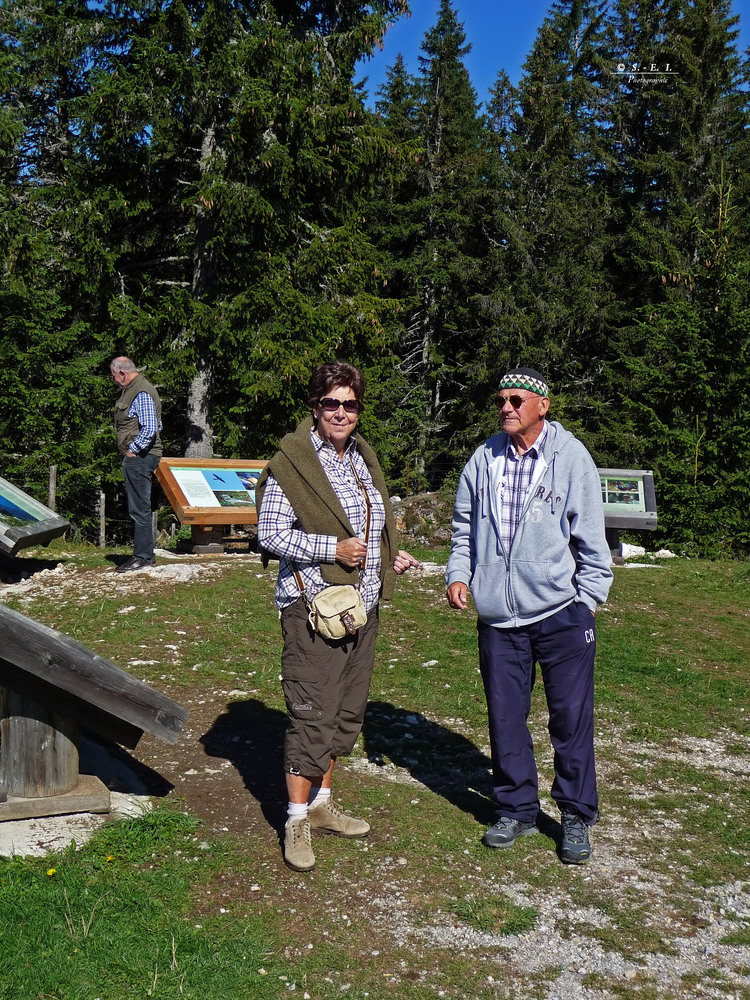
x=280, y=533
x=144, y=409
x=513, y=486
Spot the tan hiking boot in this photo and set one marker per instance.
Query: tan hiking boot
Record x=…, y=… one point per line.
x=298, y=852
x=328, y=818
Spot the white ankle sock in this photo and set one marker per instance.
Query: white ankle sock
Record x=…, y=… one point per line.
x=319, y=797
x=296, y=810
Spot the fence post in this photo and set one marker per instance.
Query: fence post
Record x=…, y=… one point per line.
x=52, y=487
x=102, y=522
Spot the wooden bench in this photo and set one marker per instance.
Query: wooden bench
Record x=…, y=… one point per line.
x=51, y=686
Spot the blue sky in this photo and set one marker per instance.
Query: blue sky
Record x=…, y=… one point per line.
x=501, y=33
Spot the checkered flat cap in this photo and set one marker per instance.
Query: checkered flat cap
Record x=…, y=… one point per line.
x=525, y=378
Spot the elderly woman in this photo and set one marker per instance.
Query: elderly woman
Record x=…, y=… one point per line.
x=321, y=495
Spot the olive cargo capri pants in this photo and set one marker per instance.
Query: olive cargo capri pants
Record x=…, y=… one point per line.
x=326, y=684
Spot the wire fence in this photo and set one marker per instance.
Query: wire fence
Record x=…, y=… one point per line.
x=100, y=516
x=97, y=509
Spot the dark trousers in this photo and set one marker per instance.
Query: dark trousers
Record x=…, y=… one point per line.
x=564, y=645
x=326, y=684
x=139, y=472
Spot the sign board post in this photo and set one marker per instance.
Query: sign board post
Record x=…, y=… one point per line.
x=210, y=493
x=629, y=502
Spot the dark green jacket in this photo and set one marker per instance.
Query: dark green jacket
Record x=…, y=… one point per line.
x=127, y=428
x=297, y=469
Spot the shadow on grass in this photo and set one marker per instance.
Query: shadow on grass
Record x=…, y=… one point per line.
x=447, y=763
x=14, y=569
x=251, y=737
x=117, y=769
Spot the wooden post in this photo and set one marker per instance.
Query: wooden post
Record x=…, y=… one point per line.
x=102, y=522
x=52, y=487
x=38, y=749
x=206, y=539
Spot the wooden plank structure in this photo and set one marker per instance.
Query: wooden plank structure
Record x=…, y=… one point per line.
x=50, y=686
x=210, y=493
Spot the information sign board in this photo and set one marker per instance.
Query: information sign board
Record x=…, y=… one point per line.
x=24, y=521
x=629, y=498
x=211, y=490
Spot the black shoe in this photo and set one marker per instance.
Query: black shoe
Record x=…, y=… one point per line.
x=135, y=562
x=505, y=832
x=575, y=848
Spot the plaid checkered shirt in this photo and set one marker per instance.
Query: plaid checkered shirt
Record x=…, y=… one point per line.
x=282, y=535
x=513, y=486
x=143, y=408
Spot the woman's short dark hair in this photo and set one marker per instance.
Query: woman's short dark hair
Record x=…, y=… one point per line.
x=332, y=373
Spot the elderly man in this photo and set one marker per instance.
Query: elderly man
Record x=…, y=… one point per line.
x=137, y=427
x=529, y=540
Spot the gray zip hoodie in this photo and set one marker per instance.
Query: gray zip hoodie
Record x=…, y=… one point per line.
x=559, y=552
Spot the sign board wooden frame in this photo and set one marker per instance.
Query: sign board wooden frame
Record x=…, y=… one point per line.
x=24, y=521
x=211, y=490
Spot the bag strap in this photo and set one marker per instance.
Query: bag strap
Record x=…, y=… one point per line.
x=368, y=507
x=300, y=583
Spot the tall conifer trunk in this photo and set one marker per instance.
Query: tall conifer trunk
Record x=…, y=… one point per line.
x=199, y=414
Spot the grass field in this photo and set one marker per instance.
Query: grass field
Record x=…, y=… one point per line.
x=420, y=909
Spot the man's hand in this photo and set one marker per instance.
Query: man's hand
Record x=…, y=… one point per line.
x=457, y=596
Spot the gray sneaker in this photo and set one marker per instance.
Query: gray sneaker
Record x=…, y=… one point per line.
x=575, y=848
x=298, y=852
x=505, y=832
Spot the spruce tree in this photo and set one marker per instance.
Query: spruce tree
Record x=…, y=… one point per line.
x=549, y=296
x=430, y=226
x=53, y=350
x=683, y=239
x=192, y=177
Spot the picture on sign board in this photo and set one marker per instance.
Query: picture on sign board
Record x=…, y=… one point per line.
x=17, y=509
x=204, y=487
x=620, y=493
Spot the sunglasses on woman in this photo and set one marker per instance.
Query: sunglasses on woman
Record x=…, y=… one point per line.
x=331, y=404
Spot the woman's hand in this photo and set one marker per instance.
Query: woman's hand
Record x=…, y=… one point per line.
x=404, y=561
x=351, y=552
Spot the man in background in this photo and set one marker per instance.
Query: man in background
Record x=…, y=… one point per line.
x=137, y=427
x=528, y=538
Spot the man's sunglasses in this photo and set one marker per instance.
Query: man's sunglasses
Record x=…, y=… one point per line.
x=515, y=401
x=331, y=404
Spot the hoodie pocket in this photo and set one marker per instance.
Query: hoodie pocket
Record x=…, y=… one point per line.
x=540, y=583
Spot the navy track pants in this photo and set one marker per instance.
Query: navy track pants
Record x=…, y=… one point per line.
x=564, y=645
